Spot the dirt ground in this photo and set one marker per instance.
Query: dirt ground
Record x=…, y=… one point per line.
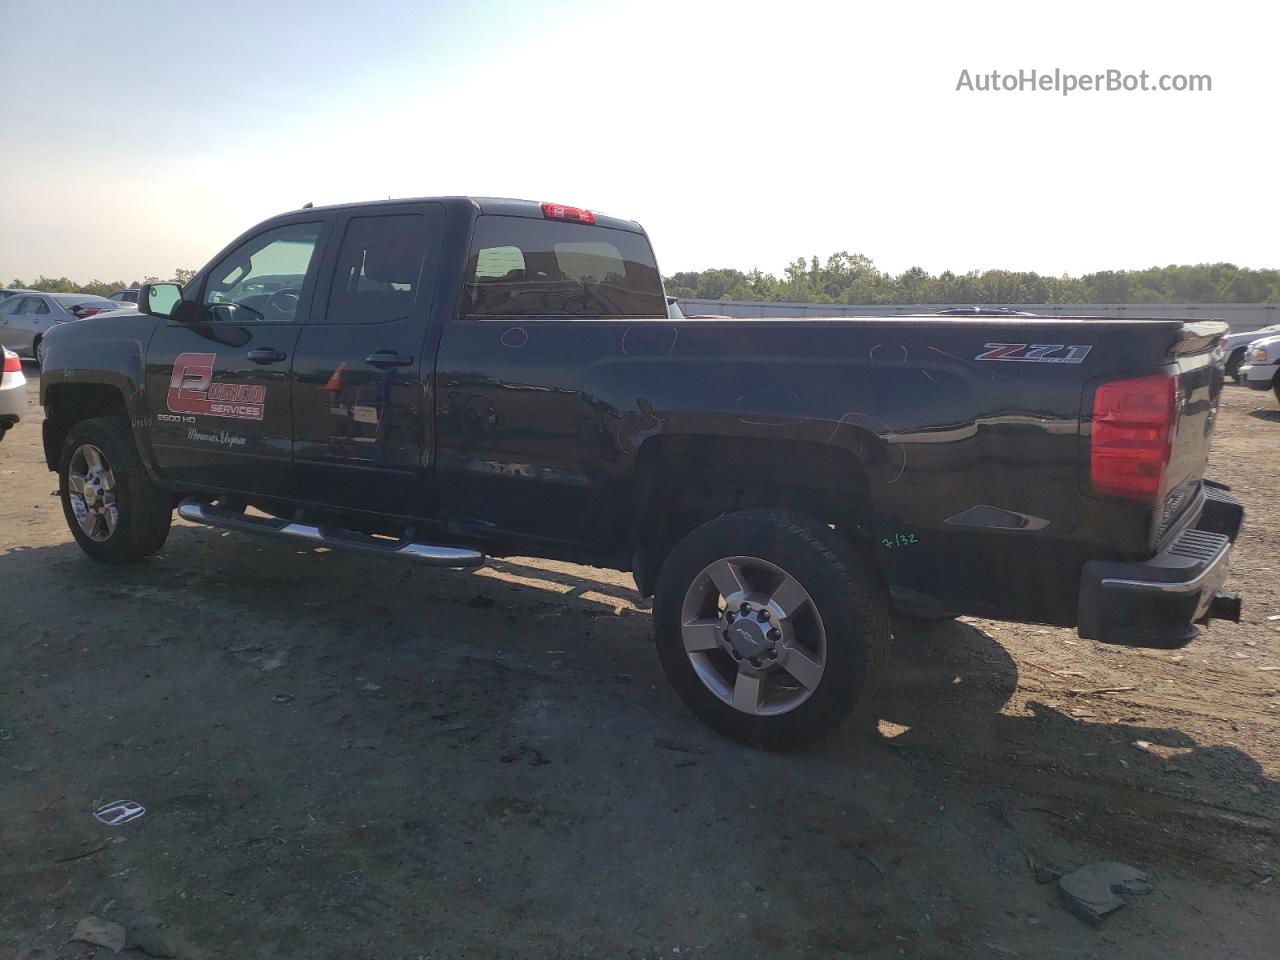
x=343, y=759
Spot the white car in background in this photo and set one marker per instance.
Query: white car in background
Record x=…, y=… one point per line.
x=1261, y=369
x=1234, y=346
x=13, y=391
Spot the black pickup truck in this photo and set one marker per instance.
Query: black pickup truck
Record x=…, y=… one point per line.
x=440, y=380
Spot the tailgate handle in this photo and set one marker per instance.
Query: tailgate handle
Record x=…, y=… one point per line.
x=385, y=359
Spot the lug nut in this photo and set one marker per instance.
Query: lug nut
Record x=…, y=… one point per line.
x=773, y=654
x=745, y=608
x=729, y=616
x=763, y=616
x=775, y=635
x=755, y=661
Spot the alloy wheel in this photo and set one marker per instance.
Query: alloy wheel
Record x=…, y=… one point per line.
x=754, y=635
x=91, y=488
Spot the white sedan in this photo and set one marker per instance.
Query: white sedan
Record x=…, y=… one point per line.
x=13, y=391
x=1261, y=369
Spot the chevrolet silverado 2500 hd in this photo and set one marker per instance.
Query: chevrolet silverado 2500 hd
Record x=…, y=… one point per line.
x=441, y=380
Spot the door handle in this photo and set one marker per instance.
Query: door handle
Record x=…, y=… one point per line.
x=266, y=355
x=385, y=359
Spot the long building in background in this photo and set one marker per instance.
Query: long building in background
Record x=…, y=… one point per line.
x=1240, y=316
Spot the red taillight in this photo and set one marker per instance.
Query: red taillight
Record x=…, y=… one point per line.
x=558, y=211
x=82, y=312
x=12, y=364
x=1132, y=436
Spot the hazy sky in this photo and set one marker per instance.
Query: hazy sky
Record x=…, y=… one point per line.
x=143, y=136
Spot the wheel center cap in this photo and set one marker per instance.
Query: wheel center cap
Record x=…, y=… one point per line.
x=748, y=639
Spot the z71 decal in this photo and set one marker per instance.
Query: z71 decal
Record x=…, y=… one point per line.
x=192, y=390
x=1035, y=352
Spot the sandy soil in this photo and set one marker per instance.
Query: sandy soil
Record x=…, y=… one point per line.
x=345, y=759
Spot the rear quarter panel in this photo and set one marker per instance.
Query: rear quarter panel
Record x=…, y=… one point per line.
x=541, y=422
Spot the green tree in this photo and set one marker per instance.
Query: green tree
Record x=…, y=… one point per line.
x=853, y=278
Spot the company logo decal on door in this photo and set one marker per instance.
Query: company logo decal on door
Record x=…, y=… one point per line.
x=192, y=389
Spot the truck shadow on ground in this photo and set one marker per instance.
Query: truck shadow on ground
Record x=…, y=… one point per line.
x=944, y=696
x=1272, y=416
x=535, y=700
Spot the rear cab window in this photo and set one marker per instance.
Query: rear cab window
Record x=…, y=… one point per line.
x=522, y=266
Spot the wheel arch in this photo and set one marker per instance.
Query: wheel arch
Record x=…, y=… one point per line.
x=70, y=402
x=684, y=480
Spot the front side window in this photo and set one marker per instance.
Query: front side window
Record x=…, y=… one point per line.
x=379, y=270
x=521, y=266
x=262, y=279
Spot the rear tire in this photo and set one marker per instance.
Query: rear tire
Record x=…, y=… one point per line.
x=114, y=511
x=748, y=598
x=37, y=352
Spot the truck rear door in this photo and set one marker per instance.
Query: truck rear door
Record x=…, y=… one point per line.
x=361, y=413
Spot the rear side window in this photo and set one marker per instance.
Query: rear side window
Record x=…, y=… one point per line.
x=384, y=265
x=521, y=266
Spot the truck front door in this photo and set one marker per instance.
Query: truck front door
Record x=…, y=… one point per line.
x=218, y=387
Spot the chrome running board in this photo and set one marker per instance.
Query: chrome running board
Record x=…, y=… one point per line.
x=428, y=554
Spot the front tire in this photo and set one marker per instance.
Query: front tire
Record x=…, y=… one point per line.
x=112, y=508
x=1234, y=362
x=770, y=626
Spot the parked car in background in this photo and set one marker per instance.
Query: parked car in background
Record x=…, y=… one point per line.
x=13, y=391
x=25, y=319
x=1261, y=370
x=124, y=296
x=1236, y=345
x=983, y=312
x=8, y=292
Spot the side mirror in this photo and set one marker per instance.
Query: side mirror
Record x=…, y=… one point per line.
x=159, y=299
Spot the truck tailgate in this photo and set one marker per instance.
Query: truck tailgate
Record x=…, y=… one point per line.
x=1200, y=379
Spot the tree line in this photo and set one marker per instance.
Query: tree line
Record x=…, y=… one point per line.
x=853, y=278
x=99, y=288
